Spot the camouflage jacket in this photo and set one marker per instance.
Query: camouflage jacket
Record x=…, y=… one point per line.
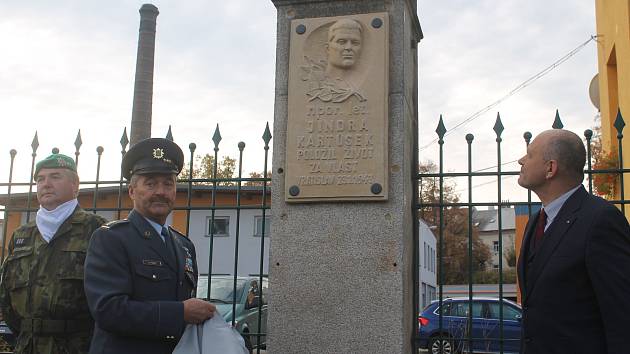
x=41, y=292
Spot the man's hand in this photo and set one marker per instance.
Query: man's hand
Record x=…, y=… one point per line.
x=197, y=310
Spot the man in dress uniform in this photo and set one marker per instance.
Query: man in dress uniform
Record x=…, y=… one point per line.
x=140, y=273
x=41, y=294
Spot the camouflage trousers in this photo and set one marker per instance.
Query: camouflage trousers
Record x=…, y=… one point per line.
x=75, y=343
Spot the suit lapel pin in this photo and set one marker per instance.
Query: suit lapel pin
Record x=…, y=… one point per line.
x=147, y=234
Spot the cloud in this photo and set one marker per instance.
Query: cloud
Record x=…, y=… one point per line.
x=69, y=65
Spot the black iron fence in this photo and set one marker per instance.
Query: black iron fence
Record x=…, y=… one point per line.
x=223, y=211
x=438, y=207
x=214, y=194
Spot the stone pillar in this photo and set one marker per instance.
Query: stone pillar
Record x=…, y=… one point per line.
x=341, y=259
x=143, y=86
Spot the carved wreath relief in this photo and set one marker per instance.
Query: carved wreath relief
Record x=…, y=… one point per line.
x=337, y=126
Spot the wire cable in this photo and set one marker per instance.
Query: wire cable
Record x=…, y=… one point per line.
x=518, y=88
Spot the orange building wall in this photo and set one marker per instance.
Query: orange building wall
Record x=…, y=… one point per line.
x=109, y=199
x=520, y=223
x=613, y=57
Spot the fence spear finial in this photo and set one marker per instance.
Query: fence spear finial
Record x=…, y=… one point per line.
x=77, y=145
x=619, y=124
x=35, y=143
x=557, y=123
x=124, y=141
x=267, y=136
x=498, y=126
x=441, y=130
x=216, y=138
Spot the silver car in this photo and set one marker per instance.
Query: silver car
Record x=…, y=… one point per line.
x=242, y=302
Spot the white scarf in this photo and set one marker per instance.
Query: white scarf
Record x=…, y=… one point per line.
x=48, y=221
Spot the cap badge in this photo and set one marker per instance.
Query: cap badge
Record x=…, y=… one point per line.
x=158, y=153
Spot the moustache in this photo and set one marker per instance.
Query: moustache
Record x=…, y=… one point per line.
x=160, y=200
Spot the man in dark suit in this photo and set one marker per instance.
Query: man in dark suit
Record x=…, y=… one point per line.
x=140, y=273
x=574, y=265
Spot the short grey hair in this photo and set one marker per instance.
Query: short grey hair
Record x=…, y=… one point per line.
x=568, y=150
x=74, y=177
x=134, y=180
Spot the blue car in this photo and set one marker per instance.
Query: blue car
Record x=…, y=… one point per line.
x=7, y=339
x=452, y=336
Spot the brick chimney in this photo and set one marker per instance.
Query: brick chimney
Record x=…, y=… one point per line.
x=143, y=86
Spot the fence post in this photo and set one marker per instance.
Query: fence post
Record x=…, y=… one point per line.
x=341, y=272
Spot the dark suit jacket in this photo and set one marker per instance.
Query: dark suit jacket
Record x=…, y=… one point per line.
x=576, y=286
x=135, y=285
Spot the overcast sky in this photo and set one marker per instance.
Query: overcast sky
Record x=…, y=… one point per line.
x=69, y=65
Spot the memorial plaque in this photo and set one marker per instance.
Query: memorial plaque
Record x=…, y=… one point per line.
x=337, y=120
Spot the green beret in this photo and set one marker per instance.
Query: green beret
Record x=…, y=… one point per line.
x=153, y=155
x=56, y=161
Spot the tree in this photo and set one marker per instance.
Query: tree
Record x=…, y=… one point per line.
x=226, y=168
x=257, y=183
x=455, y=238
x=510, y=256
x=605, y=185
x=203, y=167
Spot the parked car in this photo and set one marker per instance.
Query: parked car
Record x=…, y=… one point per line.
x=241, y=307
x=452, y=336
x=7, y=339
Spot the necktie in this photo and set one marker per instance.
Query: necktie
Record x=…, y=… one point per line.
x=540, y=228
x=164, y=234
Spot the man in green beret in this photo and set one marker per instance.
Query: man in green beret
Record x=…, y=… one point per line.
x=41, y=293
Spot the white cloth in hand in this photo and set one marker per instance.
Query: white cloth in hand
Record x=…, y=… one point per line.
x=214, y=336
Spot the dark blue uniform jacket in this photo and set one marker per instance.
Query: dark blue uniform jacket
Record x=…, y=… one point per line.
x=135, y=284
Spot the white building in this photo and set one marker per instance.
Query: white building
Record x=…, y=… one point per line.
x=224, y=241
x=428, y=264
x=228, y=221
x=487, y=223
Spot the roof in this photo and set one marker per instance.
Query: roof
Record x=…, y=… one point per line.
x=425, y=230
x=487, y=220
x=181, y=187
x=479, y=290
x=524, y=209
x=482, y=298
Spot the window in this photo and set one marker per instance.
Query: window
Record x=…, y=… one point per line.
x=220, y=226
x=258, y=228
x=253, y=295
x=509, y=312
x=460, y=309
x=430, y=294
x=425, y=255
x=446, y=309
x=495, y=247
x=424, y=295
